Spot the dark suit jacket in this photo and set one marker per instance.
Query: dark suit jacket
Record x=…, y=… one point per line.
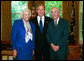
x=40, y=38
x=59, y=35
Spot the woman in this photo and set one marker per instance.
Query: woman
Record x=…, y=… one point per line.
x=23, y=36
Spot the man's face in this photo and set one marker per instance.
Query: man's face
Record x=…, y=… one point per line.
x=40, y=11
x=26, y=15
x=55, y=13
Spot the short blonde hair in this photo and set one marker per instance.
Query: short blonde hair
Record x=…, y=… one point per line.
x=26, y=9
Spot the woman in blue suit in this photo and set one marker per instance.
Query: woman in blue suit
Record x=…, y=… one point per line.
x=23, y=37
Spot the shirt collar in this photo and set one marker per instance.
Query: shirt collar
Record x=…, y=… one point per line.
x=57, y=20
x=25, y=21
x=38, y=17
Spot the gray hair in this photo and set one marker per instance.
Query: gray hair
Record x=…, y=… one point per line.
x=57, y=8
x=26, y=9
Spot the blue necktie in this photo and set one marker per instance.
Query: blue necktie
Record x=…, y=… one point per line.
x=41, y=27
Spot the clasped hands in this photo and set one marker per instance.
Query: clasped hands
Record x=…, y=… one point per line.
x=55, y=47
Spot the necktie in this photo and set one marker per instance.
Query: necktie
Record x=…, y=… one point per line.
x=41, y=28
x=55, y=23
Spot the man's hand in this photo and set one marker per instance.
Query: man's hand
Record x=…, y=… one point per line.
x=55, y=48
x=14, y=53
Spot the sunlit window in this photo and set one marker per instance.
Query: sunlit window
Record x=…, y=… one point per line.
x=50, y=4
x=16, y=7
x=81, y=21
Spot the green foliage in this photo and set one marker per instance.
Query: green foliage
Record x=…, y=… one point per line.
x=50, y=4
x=16, y=7
x=81, y=25
x=15, y=17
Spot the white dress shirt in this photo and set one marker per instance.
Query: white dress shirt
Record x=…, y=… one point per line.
x=57, y=20
x=38, y=19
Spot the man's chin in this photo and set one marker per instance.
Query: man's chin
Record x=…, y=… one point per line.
x=40, y=15
x=55, y=18
x=26, y=20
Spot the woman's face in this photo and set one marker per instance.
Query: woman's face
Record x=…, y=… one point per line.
x=26, y=15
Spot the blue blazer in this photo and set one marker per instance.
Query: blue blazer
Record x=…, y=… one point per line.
x=24, y=50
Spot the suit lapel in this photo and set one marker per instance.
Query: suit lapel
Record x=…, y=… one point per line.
x=37, y=22
x=31, y=26
x=45, y=24
x=22, y=25
x=37, y=25
x=59, y=24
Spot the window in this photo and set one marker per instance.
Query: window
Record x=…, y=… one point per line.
x=81, y=21
x=50, y=4
x=16, y=7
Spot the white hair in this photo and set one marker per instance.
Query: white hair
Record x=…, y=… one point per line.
x=57, y=8
x=26, y=9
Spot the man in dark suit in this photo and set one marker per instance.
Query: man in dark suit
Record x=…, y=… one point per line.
x=57, y=35
x=41, y=44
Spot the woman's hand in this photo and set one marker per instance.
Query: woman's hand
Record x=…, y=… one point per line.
x=14, y=53
x=33, y=52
